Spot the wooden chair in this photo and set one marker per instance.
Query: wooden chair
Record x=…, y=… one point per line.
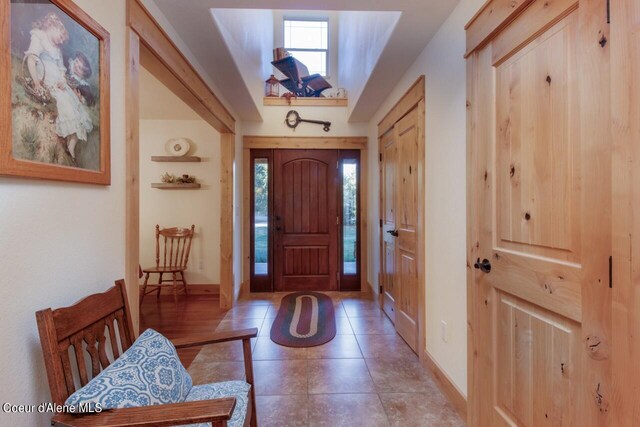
x=93, y=321
x=175, y=246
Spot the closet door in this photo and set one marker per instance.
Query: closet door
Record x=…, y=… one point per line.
x=539, y=198
x=406, y=235
x=388, y=148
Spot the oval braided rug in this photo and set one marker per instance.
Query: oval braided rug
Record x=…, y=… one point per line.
x=305, y=319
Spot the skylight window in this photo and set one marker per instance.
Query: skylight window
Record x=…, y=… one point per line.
x=308, y=41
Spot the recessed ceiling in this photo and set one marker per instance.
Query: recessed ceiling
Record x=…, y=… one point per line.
x=378, y=41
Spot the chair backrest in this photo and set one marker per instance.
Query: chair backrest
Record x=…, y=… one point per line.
x=174, y=244
x=90, y=326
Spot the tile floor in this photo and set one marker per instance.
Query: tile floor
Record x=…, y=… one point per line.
x=366, y=376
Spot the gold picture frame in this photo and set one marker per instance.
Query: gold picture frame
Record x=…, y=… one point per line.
x=55, y=65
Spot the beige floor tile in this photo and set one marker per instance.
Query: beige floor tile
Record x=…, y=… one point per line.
x=340, y=347
x=346, y=410
x=343, y=326
x=420, y=410
x=237, y=324
x=378, y=325
x=226, y=351
x=384, y=347
x=339, y=376
x=282, y=411
x=212, y=372
x=280, y=377
x=266, y=349
x=400, y=376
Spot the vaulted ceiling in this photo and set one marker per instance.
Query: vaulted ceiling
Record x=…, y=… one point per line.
x=232, y=40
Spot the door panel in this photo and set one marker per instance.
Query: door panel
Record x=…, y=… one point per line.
x=539, y=170
x=305, y=212
x=406, y=203
x=387, y=204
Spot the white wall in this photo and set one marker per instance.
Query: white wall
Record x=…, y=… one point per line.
x=58, y=243
x=181, y=208
x=443, y=64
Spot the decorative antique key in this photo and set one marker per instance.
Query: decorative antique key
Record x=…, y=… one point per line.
x=293, y=119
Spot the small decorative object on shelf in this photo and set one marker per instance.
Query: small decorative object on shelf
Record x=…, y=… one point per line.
x=272, y=87
x=289, y=96
x=177, y=146
x=186, y=179
x=168, y=178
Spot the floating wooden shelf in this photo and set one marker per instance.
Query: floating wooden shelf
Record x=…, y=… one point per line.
x=176, y=159
x=306, y=102
x=175, y=186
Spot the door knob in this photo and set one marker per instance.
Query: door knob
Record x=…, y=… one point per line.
x=394, y=233
x=484, y=266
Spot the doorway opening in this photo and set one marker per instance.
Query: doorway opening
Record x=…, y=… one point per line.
x=305, y=220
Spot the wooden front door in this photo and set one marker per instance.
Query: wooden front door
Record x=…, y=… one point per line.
x=306, y=220
x=401, y=149
x=539, y=211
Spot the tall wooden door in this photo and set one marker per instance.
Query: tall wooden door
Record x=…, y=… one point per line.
x=409, y=139
x=306, y=220
x=388, y=178
x=539, y=202
x=401, y=151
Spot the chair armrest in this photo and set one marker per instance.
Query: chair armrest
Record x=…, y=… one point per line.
x=202, y=411
x=243, y=334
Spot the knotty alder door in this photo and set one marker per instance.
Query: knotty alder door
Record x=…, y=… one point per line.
x=306, y=220
x=539, y=214
x=400, y=151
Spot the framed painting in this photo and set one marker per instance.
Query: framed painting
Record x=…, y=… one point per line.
x=55, y=64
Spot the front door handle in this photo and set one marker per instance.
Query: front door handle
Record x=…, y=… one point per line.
x=394, y=233
x=484, y=265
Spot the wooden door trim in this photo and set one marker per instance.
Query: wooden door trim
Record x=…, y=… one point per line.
x=315, y=143
x=302, y=143
x=182, y=74
x=406, y=103
x=413, y=98
x=625, y=67
x=146, y=39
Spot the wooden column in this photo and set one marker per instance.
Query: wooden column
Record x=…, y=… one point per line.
x=227, y=157
x=132, y=233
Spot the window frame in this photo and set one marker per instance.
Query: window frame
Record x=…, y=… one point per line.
x=326, y=51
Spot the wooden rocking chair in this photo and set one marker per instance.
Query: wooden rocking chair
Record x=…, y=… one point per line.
x=175, y=245
x=88, y=322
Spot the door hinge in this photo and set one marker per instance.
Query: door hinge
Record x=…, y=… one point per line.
x=610, y=272
x=338, y=276
x=608, y=11
x=380, y=289
x=380, y=223
x=337, y=220
x=380, y=156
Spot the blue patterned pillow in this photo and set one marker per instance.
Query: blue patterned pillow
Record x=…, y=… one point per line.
x=148, y=373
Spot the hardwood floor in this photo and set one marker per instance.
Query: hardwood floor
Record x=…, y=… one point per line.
x=195, y=315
